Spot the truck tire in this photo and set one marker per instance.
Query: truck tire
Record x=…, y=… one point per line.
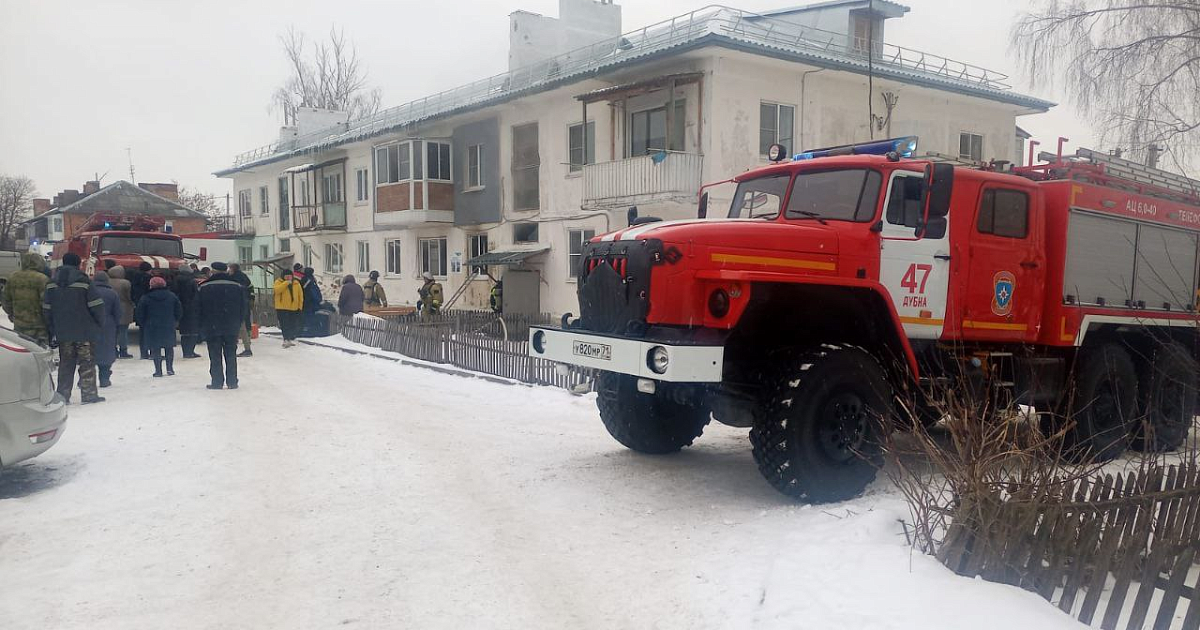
x=1167, y=397
x=1103, y=404
x=819, y=436
x=647, y=423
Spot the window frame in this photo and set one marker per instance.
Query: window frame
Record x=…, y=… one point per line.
x=475, y=165
x=362, y=251
x=424, y=253
x=244, y=204
x=532, y=225
x=534, y=167
x=245, y=254
x=393, y=250
x=264, y=201
x=334, y=258
x=362, y=181
x=680, y=119
x=589, y=138
x=970, y=136
x=306, y=254
x=445, y=151
x=285, y=245
x=776, y=138
x=573, y=257
x=992, y=191
x=473, y=251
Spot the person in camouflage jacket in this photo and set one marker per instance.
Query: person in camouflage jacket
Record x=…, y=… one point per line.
x=22, y=299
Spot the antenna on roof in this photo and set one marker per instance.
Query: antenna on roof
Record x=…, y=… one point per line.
x=129, y=154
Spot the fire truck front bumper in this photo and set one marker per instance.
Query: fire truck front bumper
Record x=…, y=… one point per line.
x=642, y=358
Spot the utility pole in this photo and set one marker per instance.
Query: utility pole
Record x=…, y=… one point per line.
x=129, y=154
x=1152, y=153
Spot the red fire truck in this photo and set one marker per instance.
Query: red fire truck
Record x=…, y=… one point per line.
x=847, y=279
x=130, y=240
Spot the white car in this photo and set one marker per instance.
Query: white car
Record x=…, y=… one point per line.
x=32, y=414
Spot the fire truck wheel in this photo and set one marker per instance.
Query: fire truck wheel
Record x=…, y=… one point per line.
x=819, y=435
x=1168, y=398
x=647, y=423
x=1103, y=404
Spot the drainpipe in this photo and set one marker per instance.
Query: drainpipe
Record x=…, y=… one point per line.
x=803, y=104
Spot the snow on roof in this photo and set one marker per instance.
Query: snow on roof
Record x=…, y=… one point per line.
x=890, y=9
x=715, y=25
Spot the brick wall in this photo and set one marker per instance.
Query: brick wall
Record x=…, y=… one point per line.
x=391, y=197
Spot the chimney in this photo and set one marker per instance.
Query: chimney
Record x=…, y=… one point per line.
x=67, y=197
x=40, y=206
x=166, y=191
x=90, y=187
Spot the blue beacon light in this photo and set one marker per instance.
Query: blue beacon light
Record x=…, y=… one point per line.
x=904, y=147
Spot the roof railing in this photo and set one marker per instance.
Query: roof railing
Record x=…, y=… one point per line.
x=752, y=28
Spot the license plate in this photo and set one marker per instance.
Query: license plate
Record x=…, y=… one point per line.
x=599, y=351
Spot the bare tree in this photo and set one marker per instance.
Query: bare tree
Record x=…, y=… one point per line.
x=332, y=77
x=16, y=202
x=1131, y=66
x=212, y=207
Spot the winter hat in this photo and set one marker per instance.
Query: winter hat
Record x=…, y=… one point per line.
x=145, y=266
x=70, y=259
x=374, y=275
x=427, y=275
x=100, y=277
x=285, y=274
x=157, y=282
x=219, y=266
x=349, y=279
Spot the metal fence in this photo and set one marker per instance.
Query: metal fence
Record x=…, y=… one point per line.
x=480, y=341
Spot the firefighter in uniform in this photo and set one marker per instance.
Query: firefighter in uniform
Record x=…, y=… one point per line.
x=22, y=299
x=74, y=316
x=373, y=294
x=431, y=297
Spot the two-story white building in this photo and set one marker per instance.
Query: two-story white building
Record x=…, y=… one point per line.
x=527, y=165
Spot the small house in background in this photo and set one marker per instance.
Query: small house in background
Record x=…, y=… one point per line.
x=58, y=219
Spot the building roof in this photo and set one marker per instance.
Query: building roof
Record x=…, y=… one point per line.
x=712, y=26
x=124, y=198
x=887, y=8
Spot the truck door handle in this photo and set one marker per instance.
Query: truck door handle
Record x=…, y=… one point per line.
x=942, y=256
x=1029, y=264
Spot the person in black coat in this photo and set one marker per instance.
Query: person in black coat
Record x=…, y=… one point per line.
x=139, y=285
x=157, y=314
x=189, y=325
x=237, y=275
x=312, y=302
x=74, y=314
x=350, y=300
x=222, y=302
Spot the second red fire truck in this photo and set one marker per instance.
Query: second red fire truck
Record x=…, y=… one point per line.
x=849, y=278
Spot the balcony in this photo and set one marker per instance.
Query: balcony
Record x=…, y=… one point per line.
x=641, y=179
x=325, y=216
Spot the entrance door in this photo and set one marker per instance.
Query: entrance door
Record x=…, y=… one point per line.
x=916, y=271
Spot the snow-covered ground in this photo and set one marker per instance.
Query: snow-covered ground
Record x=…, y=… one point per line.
x=337, y=490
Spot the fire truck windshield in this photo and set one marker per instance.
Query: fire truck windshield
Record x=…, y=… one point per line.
x=845, y=195
x=147, y=246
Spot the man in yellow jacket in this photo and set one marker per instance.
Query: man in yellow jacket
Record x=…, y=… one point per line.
x=289, y=302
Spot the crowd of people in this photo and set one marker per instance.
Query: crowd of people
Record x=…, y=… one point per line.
x=87, y=318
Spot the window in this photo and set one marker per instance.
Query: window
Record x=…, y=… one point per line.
x=333, y=257
x=264, y=251
x=759, y=198
x=438, y=162
x=775, y=124
x=363, y=183
x=393, y=163
x=364, y=257
x=576, y=239
x=1004, y=213
x=576, y=146
x=285, y=245
x=58, y=224
x=970, y=146
x=307, y=255
x=904, y=202
x=648, y=130
x=479, y=247
x=475, y=167
x=525, y=167
x=433, y=255
x=244, y=203
x=245, y=253
x=285, y=211
x=525, y=232
x=393, y=257
x=846, y=195
x=862, y=32
x=264, y=207
x=331, y=188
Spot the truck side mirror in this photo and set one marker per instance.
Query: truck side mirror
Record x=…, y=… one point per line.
x=939, y=183
x=703, y=210
x=631, y=215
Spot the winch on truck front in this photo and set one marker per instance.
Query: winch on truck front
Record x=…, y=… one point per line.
x=848, y=277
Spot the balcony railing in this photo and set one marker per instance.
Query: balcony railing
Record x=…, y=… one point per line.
x=675, y=173
x=326, y=216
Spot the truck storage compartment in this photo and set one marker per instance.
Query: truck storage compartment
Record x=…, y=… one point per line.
x=1166, y=268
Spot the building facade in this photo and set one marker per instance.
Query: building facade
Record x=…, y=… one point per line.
x=528, y=165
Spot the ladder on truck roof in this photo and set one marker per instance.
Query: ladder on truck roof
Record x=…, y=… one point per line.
x=1130, y=170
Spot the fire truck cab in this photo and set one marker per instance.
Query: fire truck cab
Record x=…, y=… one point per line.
x=130, y=240
x=852, y=285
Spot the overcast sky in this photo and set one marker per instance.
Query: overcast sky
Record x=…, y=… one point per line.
x=186, y=85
